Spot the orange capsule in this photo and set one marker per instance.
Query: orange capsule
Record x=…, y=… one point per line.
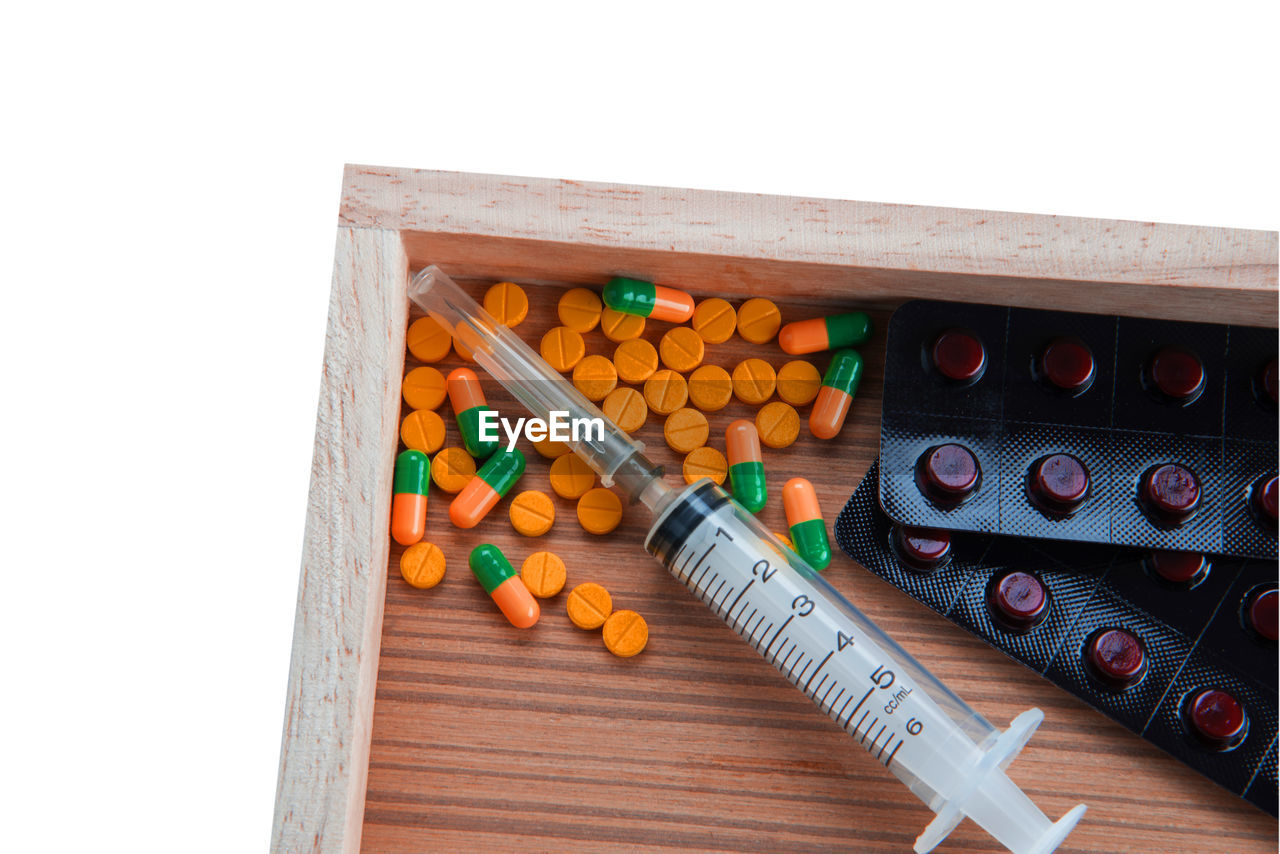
x=409, y=498
x=501, y=581
x=746, y=465
x=804, y=516
x=467, y=399
x=494, y=480
x=836, y=395
x=825, y=333
x=632, y=296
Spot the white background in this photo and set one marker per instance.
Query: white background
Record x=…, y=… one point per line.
x=170, y=191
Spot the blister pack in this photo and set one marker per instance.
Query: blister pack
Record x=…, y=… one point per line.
x=1082, y=427
x=1178, y=647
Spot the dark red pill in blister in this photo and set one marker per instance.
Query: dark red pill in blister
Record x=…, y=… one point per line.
x=1179, y=567
x=959, y=356
x=950, y=471
x=1058, y=484
x=1265, y=498
x=1116, y=657
x=1267, y=382
x=1177, y=374
x=1216, y=718
x=1018, y=600
x=1261, y=613
x=923, y=548
x=1170, y=492
x=1067, y=364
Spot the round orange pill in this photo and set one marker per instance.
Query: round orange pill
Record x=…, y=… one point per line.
x=428, y=341
x=758, y=320
x=543, y=573
x=778, y=424
x=705, y=462
x=462, y=351
x=754, y=381
x=422, y=430
x=618, y=326
x=786, y=541
x=452, y=469
x=552, y=450
x=579, y=309
x=595, y=377
x=588, y=605
x=666, y=391
x=422, y=565
x=625, y=633
x=563, y=348
x=599, y=511
x=571, y=477
x=635, y=360
x=423, y=388
x=508, y=304
x=626, y=408
x=798, y=382
x=714, y=319
x=710, y=388
x=685, y=430
x=681, y=349
x=532, y=513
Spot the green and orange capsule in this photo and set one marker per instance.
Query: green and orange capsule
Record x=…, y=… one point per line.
x=825, y=333
x=632, y=296
x=501, y=581
x=494, y=480
x=804, y=516
x=746, y=465
x=839, y=384
x=409, y=497
x=467, y=399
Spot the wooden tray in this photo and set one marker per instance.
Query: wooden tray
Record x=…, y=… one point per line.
x=420, y=721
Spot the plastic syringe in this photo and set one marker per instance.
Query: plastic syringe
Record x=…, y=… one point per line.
x=944, y=751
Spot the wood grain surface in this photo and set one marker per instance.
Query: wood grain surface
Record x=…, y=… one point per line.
x=747, y=244
x=489, y=738
x=320, y=793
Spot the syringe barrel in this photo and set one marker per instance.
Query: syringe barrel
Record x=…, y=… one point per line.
x=531, y=381
x=946, y=753
x=705, y=507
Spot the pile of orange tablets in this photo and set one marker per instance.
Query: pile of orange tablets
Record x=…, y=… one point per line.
x=673, y=382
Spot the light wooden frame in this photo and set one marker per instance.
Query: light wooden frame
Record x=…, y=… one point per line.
x=810, y=250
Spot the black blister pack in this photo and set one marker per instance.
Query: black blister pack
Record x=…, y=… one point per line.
x=1178, y=647
x=1090, y=428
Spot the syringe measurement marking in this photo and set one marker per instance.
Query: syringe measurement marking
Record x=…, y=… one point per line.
x=815, y=672
x=736, y=601
x=702, y=594
x=712, y=600
x=723, y=611
x=785, y=623
x=788, y=655
x=785, y=654
x=859, y=706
